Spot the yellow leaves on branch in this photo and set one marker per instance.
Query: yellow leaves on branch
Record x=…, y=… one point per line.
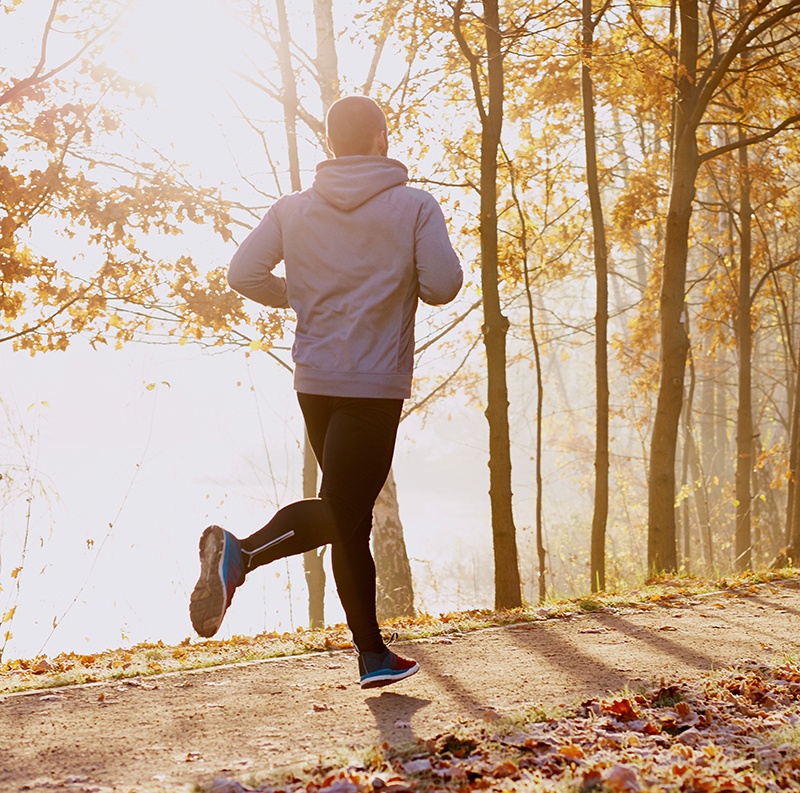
x=636, y=207
x=48, y=147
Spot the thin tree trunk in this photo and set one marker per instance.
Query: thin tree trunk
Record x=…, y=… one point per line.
x=395, y=586
x=312, y=560
x=792, y=554
x=601, y=459
x=744, y=417
x=507, y=586
x=685, y=459
x=289, y=85
x=508, y=592
x=792, y=393
x=661, y=545
x=327, y=61
x=700, y=495
x=540, y=549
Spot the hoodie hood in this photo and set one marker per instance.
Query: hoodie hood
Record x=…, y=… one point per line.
x=349, y=182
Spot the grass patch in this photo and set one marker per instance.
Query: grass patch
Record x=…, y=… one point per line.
x=150, y=658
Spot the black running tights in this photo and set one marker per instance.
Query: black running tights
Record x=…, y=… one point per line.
x=353, y=440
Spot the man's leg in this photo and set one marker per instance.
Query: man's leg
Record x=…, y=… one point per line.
x=225, y=560
x=355, y=446
x=354, y=442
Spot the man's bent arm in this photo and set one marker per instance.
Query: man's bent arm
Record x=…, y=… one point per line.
x=438, y=270
x=250, y=272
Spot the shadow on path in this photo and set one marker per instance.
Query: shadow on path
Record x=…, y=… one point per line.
x=393, y=713
x=584, y=669
x=770, y=605
x=679, y=650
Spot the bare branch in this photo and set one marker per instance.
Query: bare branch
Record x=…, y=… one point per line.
x=36, y=77
x=447, y=328
x=769, y=272
x=471, y=57
x=417, y=405
x=738, y=144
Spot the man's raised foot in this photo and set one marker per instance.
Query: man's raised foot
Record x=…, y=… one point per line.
x=222, y=570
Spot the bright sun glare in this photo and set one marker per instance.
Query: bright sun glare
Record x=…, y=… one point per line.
x=180, y=46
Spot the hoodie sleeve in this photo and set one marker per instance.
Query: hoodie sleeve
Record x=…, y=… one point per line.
x=438, y=269
x=250, y=272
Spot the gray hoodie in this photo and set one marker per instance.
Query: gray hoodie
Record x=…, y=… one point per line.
x=360, y=248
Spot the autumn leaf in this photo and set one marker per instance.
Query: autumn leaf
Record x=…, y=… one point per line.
x=621, y=778
x=622, y=709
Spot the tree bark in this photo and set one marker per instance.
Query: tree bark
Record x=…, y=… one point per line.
x=744, y=413
x=792, y=554
x=508, y=591
x=661, y=544
x=312, y=560
x=601, y=459
x=327, y=61
x=289, y=86
x=700, y=496
x=793, y=455
x=395, y=585
x=685, y=463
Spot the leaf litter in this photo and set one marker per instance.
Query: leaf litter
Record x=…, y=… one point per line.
x=735, y=730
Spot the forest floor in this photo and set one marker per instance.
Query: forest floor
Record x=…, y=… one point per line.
x=682, y=685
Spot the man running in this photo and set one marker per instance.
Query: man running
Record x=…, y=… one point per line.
x=360, y=248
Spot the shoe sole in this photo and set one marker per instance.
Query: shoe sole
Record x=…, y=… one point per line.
x=389, y=678
x=207, y=604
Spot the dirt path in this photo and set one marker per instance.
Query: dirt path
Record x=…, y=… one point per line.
x=170, y=731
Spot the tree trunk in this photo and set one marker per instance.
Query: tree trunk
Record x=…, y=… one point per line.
x=395, y=585
x=601, y=459
x=793, y=523
x=790, y=553
x=744, y=413
x=327, y=61
x=700, y=496
x=661, y=545
x=685, y=462
x=794, y=440
x=289, y=86
x=508, y=591
x=661, y=548
x=313, y=561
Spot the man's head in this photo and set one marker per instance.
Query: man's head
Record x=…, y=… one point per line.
x=356, y=125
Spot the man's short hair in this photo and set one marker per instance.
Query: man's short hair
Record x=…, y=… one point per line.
x=352, y=124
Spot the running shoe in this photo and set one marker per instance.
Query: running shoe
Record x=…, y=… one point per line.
x=383, y=669
x=222, y=570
